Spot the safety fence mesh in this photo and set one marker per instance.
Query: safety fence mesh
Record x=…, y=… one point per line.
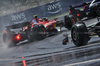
x=11, y=6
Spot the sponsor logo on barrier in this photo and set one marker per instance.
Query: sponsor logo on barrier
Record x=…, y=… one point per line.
x=54, y=7
x=18, y=17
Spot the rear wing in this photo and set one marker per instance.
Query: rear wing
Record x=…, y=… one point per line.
x=19, y=25
x=80, y=5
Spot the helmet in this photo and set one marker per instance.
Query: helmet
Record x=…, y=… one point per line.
x=35, y=16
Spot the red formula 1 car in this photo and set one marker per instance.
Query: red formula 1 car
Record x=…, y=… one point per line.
x=28, y=31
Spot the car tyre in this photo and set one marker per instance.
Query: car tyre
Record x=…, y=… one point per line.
x=41, y=32
x=79, y=34
x=69, y=21
x=98, y=10
x=38, y=32
x=29, y=36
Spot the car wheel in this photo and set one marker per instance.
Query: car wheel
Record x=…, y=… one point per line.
x=38, y=32
x=79, y=34
x=69, y=21
x=30, y=36
x=41, y=32
x=98, y=10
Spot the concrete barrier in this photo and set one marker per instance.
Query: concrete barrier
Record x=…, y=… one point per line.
x=46, y=10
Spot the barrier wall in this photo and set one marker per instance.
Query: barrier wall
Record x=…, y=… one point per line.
x=46, y=10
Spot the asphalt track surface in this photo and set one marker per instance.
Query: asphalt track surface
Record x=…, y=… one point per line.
x=50, y=51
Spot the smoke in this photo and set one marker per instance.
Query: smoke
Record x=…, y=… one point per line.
x=3, y=47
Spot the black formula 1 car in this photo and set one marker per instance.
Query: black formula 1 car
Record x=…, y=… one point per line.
x=29, y=31
x=81, y=34
x=90, y=9
x=79, y=13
